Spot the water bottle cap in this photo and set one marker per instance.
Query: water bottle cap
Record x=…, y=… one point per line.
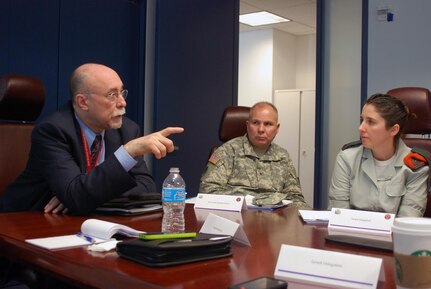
x=174, y=170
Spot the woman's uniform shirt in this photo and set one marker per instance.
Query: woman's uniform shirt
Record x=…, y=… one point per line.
x=398, y=190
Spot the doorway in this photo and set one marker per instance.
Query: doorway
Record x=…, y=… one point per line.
x=277, y=63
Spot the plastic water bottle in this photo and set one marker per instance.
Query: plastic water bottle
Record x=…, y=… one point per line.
x=173, y=199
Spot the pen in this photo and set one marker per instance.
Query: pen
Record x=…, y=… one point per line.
x=85, y=237
x=219, y=238
x=210, y=239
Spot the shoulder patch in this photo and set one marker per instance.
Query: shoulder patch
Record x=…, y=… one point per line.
x=351, y=145
x=214, y=158
x=417, y=158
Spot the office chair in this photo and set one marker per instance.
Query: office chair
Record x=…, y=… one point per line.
x=21, y=101
x=417, y=131
x=233, y=123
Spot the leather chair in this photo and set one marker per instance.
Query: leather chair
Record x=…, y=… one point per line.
x=418, y=129
x=233, y=123
x=21, y=101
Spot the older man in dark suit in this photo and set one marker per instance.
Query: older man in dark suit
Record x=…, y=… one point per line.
x=66, y=172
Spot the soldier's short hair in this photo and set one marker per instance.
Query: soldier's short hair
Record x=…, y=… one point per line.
x=264, y=103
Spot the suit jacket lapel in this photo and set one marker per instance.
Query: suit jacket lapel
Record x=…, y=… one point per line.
x=74, y=130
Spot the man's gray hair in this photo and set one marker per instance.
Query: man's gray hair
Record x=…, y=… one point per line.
x=264, y=103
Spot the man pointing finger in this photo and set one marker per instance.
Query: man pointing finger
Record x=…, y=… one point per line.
x=87, y=152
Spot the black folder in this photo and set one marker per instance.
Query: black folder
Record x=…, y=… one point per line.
x=132, y=205
x=168, y=252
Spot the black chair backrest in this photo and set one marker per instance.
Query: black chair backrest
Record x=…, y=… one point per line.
x=418, y=100
x=233, y=122
x=21, y=101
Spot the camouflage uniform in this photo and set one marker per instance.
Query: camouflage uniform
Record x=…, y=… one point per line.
x=235, y=169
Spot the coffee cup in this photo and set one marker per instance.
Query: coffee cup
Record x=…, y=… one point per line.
x=412, y=252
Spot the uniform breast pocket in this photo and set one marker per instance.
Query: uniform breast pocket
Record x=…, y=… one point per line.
x=394, y=189
x=239, y=177
x=391, y=196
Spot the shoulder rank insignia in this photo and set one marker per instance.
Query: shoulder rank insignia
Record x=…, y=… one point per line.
x=214, y=158
x=351, y=145
x=417, y=158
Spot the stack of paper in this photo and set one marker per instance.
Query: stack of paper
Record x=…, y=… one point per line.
x=62, y=242
x=315, y=217
x=93, y=231
x=105, y=230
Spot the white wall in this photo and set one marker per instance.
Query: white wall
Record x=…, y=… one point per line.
x=306, y=61
x=255, y=67
x=273, y=60
x=399, y=51
x=284, y=60
x=341, y=82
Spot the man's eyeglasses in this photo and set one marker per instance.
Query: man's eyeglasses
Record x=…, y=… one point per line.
x=113, y=96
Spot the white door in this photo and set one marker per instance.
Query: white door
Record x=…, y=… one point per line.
x=296, y=112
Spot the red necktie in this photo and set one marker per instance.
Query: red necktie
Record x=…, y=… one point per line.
x=95, y=147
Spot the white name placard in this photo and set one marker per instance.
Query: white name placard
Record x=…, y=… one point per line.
x=328, y=268
x=366, y=223
x=220, y=202
x=215, y=224
x=202, y=214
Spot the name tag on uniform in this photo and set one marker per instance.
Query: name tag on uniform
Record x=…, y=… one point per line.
x=220, y=202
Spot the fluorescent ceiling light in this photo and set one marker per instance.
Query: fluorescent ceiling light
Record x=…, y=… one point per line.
x=261, y=18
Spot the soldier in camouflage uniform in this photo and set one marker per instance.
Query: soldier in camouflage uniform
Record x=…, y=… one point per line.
x=253, y=165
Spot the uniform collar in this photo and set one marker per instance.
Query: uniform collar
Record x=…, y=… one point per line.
x=400, y=152
x=390, y=171
x=249, y=151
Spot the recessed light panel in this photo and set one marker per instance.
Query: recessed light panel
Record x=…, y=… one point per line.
x=261, y=18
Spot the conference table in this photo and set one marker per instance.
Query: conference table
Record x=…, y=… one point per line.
x=266, y=231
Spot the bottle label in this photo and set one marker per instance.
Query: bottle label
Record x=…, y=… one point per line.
x=174, y=195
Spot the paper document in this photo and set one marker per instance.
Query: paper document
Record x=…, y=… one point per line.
x=191, y=200
x=315, y=217
x=62, y=242
x=93, y=231
x=105, y=230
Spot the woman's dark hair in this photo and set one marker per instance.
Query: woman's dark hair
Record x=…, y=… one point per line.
x=391, y=109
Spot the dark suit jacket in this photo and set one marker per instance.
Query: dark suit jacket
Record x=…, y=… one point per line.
x=57, y=166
